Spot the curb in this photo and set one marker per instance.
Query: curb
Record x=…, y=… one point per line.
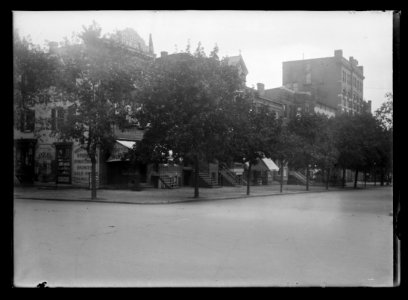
x=189, y=199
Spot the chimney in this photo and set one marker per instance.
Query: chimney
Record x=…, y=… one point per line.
x=361, y=68
x=353, y=61
x=151, y=49
x=163, y=53
x=261, y=88
x=338, y=53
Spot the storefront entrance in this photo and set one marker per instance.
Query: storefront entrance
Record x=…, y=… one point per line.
x=24, y=160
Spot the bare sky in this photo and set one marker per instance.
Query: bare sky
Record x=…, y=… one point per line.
x=264, y=38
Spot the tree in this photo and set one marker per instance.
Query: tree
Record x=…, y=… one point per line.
x=305, y=129
x=183, y=106
x=35, y=71
x=327, y=153
x=357, y=139
x=283, y=148
x=384, y=115
x=102, y=80
x=347, y=141
x=253, y=131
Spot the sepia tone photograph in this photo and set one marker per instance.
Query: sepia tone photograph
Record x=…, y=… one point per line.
x=204, y=149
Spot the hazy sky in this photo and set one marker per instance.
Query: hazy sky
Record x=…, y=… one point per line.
x=264, y=38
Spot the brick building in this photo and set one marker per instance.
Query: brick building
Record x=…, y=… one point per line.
x=336, y=84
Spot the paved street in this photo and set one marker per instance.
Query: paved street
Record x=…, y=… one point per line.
x=338, y=238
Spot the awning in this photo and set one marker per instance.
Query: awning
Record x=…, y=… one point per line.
x=120, y=148
x=127, y=144
x=270, y=164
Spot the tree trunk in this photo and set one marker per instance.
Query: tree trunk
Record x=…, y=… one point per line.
x=249, y=177
x=382, y=177
x=365, y=178
x=93, y=177
x=355, y=178
x=196, y=176
x=327, y=178
x=344, y=177
x=375, y=177
x=307, y=177
x=281, y=177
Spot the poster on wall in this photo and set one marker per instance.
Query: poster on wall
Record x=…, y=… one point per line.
x=63, y=154
x=81, y=167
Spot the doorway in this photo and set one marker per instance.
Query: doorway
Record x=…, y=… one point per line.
x=24, y=160
x=64, y=162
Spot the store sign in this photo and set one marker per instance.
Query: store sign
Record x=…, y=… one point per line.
x=82, y=166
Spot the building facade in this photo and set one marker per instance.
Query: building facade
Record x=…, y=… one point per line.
x=291, y=102
x=238, y=62
x=41, y=158
x=337, y=84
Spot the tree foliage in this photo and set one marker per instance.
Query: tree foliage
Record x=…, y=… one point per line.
x=253, y=131
x=385, y=113
x=97, y=77
x=193, y=104
x=184, y=104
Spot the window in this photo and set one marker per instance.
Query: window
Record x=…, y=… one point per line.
x=308, y=78
x=27, y=120
x=57, y=118
x=308, y=73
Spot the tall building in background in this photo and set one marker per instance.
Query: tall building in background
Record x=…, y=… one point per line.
x=335, y=83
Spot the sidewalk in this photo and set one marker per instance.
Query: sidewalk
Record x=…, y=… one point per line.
x=161, y=196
